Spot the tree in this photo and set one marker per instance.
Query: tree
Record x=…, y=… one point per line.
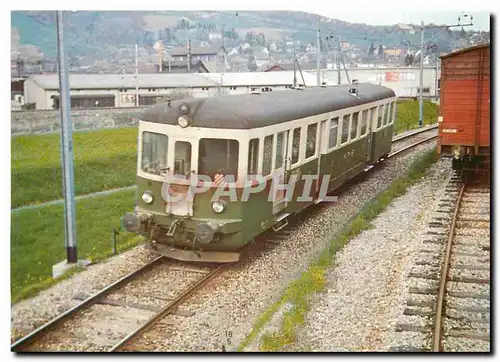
x=381, y=51
x=252, y=65
x=261, y=39
x=371, y=49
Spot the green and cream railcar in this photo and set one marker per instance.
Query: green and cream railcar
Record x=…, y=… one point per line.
x=296, y=137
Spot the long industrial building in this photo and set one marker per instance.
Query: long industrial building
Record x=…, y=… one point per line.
x=120, y=90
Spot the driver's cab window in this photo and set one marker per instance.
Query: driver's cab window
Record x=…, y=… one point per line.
x=154, y=153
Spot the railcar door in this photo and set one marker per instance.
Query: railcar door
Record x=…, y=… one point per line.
x=370, y=113
x=175, y=193
x=280, y=152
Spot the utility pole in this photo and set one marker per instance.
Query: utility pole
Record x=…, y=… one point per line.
x=421, y=97
x=446, y=27
x=66, y=143
x=318, y=59
x=294, y=71
x=136, y=75
x=339, y=55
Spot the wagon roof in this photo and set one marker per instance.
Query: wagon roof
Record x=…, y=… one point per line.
x=461, y=51
x=248, y=111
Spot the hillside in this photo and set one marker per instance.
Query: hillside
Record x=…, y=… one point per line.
x=98, y=35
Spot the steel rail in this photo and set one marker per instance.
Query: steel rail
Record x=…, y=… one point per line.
x=413, y=133
x=42, y=330
x=167, y=310
x=411, y=146
x=436, y=344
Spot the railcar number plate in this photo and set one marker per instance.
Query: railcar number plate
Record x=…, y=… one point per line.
x=449, y=130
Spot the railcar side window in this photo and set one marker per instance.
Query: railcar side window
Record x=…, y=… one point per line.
x=267, y=156
x=311, y=140
x=386, y=114
x=218, y=156
x=154, y=153
x=296, y=146
x=393, y=112
x=380, y=114
x=334, y=127
x=354, y=125
x=280, y=149
x=364, y=120
x=253, y=156
x=373, y=112
x=345, y=128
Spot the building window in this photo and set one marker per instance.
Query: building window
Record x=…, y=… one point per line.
x=147, y=100
x=334, y=127
x=268, y=155
x=311, y=140
x=232, y=88
x=345, y=128
x=253, y=156
x=354, y=125
x=88, y=102
x=204, y=88
x=296, y=146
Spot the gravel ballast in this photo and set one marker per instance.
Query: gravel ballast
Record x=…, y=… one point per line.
x=367, y=290
x=235, y=299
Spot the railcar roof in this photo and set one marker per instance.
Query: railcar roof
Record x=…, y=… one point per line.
x=247, y=111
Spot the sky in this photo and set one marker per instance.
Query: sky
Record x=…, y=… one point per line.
x=481, y=20
x=372, y=12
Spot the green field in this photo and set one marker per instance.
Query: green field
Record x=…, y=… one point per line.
x=407, y=115
x=37, y=238
x=104, y=159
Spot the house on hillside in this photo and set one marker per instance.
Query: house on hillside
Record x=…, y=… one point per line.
x=181, y=66
x=214, y=58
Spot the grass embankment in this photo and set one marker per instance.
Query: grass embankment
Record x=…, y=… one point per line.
x=407, y=115
x=313, y=279
x=104, y=159
x=37, y=239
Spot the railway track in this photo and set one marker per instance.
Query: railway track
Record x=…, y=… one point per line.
x=450, y=291
x=117, y=318
x=462, y=320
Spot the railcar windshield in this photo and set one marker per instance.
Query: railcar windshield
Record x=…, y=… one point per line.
x=154, y=153
x=218, y=156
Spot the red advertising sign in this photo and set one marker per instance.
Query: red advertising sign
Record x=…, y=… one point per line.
x=391, y=76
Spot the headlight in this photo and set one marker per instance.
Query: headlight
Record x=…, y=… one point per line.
x=147, y=197
x=218, y=206
x=183, y=121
